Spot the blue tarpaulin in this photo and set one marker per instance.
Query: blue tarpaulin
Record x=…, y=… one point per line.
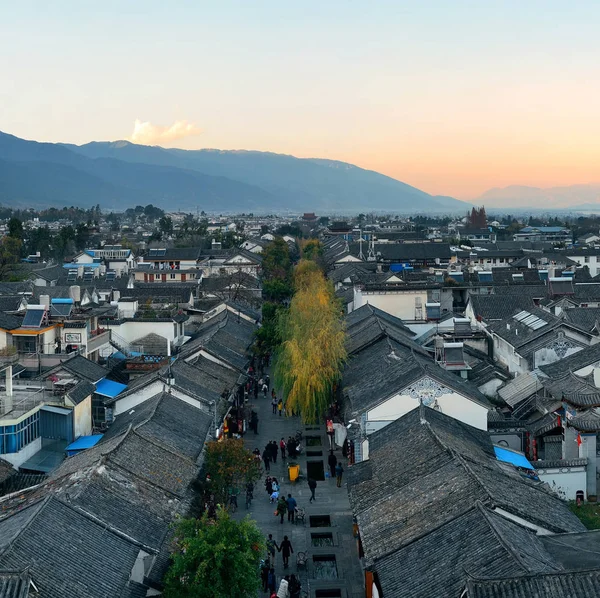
x=109, y=388
x=82, y=443
x=513, y=457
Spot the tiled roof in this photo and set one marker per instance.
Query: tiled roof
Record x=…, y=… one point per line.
x=14, y=584
x=9, y=322
x=573, y=362
x=81, y=391
x=83, y=368
x=568, y=584
x=67, y=553
x=585, y=318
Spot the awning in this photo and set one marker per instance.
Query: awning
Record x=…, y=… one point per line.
x=109, y=388
x=513, y=457
x=82, y=443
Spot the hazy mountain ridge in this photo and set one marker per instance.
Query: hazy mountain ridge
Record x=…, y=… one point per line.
x=121, y=174
x=520, y=196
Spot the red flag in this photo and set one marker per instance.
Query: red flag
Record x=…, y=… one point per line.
x=578, y=439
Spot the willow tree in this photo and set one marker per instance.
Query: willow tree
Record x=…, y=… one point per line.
x=312, y=352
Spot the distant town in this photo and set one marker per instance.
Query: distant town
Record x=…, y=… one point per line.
x=419, y=396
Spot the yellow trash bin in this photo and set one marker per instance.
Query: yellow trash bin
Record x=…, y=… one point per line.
x=294, y=472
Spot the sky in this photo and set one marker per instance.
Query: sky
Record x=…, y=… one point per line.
x=454, y=97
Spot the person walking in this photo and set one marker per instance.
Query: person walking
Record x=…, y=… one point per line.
x=286, y=549
x=284, y=591
x=282, y=446
x=295, y=587
x=269, y=485
x=271, y=547
x=280, y=406
x=267, y=381
x=274, y=451
x=254, y=422
x=272, y=580
x=332, y=460
x=291, y=507
x=281, y=508
x=264, y=575
x=266, y=457
x=312, y=484
x=274, y=402
x=265, y=389
x=339, y=471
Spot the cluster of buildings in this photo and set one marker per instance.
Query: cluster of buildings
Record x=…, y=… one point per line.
x=111, y=384
x=471, y=398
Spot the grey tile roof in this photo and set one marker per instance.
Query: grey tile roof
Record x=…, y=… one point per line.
x=68, y=554
x=14, y=584
x=585, y=318
x=10, y=302
x=81, y=391
x=580, y=584
x=83, y=368
x=575, y=550
x=573, y=363
x=9, y=322
x=386, y=366
x=519, y=334
x=169, y=421
x=477, y=543
x=499, y=307
x=574, y=389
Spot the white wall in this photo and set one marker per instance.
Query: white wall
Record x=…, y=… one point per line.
x=400, y=304
x=451, y=403
x=83, y=418
x=565, y=481
x=17, y=459
x=592, y=262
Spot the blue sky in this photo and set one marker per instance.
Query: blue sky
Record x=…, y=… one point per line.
x=453, y=97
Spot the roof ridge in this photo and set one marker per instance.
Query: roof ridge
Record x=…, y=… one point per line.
x=506, y=545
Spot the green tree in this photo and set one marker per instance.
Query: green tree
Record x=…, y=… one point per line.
x=215, y=557
x=309, y=361
x=15, y=229
x=10, y=250
x=165, y=225
x=229, y=466
x=276, y=259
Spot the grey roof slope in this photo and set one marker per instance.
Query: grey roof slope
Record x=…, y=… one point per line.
x=14, y=584
x=572, y=363
x=580, y=584
x=81, y=391
x=499, y=307
x=169, y=422
x=9, y=322
x=205, y=379
x=385, y=366
x=10, y=302
x=224, y=337
x=583, y=317
x=445, y=469
x=68, y=554
x=575, y=550
x=477, y=543
x=520, y=334
x=81, y=367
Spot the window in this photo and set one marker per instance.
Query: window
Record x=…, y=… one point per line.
x=172, y=276
x=586, y=259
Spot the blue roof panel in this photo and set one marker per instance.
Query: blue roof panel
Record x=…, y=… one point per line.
x=85, y=442
x=109, y=388
x=512, y=457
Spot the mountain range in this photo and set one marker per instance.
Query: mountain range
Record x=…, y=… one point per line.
x=573, y=197
x=120, y=174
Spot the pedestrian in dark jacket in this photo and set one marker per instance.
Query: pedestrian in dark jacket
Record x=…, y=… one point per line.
x=281, y=508
x=274, y=451
x=332, y=460
x=269, y=485
x=286, y=549
x=272, y=581
x=339, y=471
x=291, y=507
x=266, y=457
x=312, y=484
x=264, y=575
x=282, y=446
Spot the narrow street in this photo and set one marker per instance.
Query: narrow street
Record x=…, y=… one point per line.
x=333, y=567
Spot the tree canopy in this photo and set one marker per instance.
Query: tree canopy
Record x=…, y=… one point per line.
x=215, y=557
x=312, y=351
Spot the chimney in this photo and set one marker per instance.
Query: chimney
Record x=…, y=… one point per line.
x=75, y=291
x=116, y=294
x=45, y=301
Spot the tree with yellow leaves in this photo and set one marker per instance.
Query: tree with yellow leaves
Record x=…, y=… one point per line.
x=312, y=352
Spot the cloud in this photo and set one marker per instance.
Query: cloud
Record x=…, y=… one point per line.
x=149, y=134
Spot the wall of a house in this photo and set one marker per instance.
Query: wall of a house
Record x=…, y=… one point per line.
x=451, y=403
x=17, y=459
x=565, y=481
x=82, y=418
x=399, y=304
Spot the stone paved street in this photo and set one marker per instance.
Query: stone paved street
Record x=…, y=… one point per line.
x=330, y=501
